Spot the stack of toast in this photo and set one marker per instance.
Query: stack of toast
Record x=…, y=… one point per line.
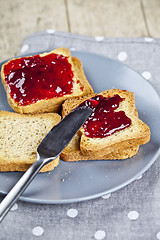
x=22, y=132
x=120, y=145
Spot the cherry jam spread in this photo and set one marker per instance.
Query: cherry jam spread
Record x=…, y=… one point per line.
x=92, y=102
x=30, y=79
x=104, y=121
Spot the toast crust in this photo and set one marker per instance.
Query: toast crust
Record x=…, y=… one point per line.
x=22, y=167
x=73, y=153
x=71, y=103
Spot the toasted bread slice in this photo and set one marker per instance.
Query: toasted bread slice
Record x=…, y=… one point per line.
x=51, y=104
x=20, y=136
x=138, y=133
x=71, y=103
x=73, y=153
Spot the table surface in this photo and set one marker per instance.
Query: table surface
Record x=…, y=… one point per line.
x=111, y=18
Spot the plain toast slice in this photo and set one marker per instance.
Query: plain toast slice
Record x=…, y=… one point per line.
x=20, y=136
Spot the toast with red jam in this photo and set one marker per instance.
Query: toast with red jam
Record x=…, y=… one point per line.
x=41, y=83
x=113, y=131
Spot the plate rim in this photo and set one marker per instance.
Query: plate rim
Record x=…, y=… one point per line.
x=90, y=197
x=113, y=189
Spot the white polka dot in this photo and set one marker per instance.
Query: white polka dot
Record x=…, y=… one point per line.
x=139, y=177
x=122, y=56
x=146, y=75
x=100, y=234
x=72, y=213
x=99, y=38
x=148, y=39
x=72, y=49
x=37, y=231
x=106, y=196
x=158, y=235
x=133, y=215
x=51, y=31
x=15, y=207
x=24, y=48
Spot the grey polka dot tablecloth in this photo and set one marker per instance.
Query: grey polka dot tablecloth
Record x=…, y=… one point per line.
x=130, y=213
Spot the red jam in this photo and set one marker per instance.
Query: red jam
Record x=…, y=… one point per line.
x=30, y=79
x=92, y=102
x=104, y=121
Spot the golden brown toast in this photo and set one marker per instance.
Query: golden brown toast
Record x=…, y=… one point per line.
x=20, y=136
x=80, y=87
x=116, y=146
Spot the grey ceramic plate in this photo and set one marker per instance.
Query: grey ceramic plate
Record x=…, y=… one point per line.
x=79, y=181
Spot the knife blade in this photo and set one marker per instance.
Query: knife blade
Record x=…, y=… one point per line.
x=49, y=149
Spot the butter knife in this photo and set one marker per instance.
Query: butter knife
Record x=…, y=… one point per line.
x=48, y=150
